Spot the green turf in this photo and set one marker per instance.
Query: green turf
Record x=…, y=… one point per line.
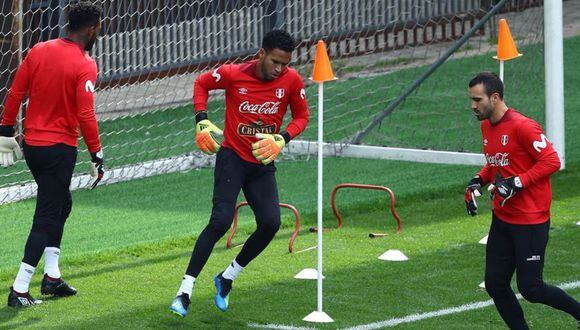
x=178, y=204
x=126, y=245
x=132, y=286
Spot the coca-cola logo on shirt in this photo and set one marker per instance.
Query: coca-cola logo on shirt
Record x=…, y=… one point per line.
x=499, y=159
x=266, y=108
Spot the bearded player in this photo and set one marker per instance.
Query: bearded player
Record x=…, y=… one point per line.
x=58, y=76
x=519, y=162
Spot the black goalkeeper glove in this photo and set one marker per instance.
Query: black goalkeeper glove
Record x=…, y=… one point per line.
x=506, y=188
x=97, y=168
x=472, y=190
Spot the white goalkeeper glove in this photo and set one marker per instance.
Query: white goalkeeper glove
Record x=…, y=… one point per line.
x=8, y=147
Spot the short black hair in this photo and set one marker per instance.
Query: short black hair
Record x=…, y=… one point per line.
x=278, y=39
x=83, y=14
x=490, y=81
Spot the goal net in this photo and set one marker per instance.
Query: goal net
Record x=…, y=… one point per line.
x=384, y=104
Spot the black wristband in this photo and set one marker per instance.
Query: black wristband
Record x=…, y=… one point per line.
x=97, y=157
x=476, y=180
x=286, y=137
x=199, y=116
x=7, y=131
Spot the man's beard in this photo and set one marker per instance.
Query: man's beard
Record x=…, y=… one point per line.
x=89, y=45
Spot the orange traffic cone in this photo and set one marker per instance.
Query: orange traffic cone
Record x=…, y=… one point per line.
x=322, y=70
x=506, y=47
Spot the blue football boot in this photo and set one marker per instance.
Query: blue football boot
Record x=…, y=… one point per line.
x=223, y=287
x=180, y=304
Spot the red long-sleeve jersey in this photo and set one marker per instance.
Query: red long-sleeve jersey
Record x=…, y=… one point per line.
x=59, y=78
x=253, y=105
x=516, y=146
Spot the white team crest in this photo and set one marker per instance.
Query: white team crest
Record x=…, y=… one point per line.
x=504, y=140
x=89, y=86
x=279, y=93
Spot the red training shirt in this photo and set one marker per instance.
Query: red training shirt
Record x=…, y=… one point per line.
x=59, y=78
x=253, y=105
x=516, y=146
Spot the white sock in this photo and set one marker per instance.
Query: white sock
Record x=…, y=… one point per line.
x=51, y=255
x=232, y=271
x=186, y=285
x=22, y=281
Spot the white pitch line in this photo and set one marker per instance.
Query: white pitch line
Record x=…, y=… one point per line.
x=277, y=326
x=413, y=317
x=441, y=312
x=307, y=249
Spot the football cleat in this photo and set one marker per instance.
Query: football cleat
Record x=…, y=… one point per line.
x=222, y=296
x=16, y=299
x=58, y=288
x=180, y=304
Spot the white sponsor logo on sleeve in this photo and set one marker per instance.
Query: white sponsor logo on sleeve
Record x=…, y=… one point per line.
x=89, y=86
x=543, y=143
x=216, y=75
x=302, y=93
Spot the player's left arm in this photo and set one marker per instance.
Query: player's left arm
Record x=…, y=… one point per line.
x=269, y=146
x=546, y=161
x=535, y=142
x=299, y=111
x=88, y=121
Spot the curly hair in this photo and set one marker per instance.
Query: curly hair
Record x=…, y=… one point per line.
x=83, y=14
x=278, y=39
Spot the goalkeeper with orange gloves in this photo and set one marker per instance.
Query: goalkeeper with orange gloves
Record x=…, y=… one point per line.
x=258, y=94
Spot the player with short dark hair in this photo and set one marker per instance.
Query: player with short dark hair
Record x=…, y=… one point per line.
x=58, y=76
x=519, y=162
x=257, y=96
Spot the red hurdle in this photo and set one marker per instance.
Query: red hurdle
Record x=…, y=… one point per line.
x=288, y=206
x=364, y=186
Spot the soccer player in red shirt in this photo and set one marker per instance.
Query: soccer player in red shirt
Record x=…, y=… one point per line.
x=257, y=96
x=519, y=162
x=59, y=78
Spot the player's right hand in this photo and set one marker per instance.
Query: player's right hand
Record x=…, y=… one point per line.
x=97, y=169
x=472, y=190
x=8, y=146
x=203, y=136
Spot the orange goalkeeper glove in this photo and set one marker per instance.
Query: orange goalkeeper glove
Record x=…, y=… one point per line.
x=203, y=136
x=268, y=147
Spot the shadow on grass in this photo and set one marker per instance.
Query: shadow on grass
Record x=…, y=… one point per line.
x=368, y=292
x=8, y=313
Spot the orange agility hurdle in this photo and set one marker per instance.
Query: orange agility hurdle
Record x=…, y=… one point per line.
x=364, y=186
x=288, y=206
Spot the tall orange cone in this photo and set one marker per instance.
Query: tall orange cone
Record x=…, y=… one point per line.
x=506, y=47
x=322, y=70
